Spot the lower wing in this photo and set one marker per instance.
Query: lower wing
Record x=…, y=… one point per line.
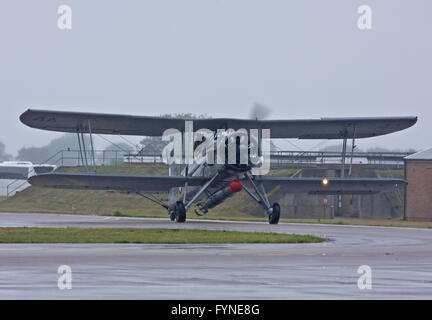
x=331, y=185
x=132, y=183
x=159, y=183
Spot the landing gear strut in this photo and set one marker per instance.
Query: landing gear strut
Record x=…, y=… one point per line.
x=260, y=197
x=179, y=212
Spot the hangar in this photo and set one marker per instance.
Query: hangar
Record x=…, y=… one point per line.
x=418, y=173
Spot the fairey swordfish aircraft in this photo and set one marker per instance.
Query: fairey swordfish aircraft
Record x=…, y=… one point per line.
x=206, y=185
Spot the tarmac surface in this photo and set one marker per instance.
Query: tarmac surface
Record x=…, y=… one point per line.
x=400, y=260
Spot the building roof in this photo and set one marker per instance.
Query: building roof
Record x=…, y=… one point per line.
x=421, y=155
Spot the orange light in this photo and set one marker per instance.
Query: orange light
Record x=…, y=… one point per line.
x=325, y=181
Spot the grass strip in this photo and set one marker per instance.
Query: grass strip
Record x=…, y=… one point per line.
x=135, y=235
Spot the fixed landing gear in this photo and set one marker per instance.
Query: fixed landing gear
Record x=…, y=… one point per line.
x=172, y=215
x=261, y=198
x=274, y=214
x=179, y=214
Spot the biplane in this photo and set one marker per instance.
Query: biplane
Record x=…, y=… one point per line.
x=206, y=185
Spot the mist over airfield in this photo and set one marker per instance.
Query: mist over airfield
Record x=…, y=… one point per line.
x=304, y=59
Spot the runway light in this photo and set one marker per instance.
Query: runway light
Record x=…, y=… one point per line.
x=325, y=181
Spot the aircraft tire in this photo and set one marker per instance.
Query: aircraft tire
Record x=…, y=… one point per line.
x=275, y=214
x=172, y=215
x=180, y=212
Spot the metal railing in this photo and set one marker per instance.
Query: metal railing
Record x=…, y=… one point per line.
x=316, y=158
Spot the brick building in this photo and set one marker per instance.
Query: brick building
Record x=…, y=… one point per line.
x=418, y=195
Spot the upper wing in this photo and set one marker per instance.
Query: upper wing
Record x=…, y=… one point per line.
x=133, y=183
x=324, y=128
x=334, y=185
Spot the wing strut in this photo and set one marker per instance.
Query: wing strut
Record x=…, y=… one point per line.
x=344, y=152
x=83, y=150
x=92, y=148
x=260, y=191
x=344, y=145
x=80, y=150
x=352, y=152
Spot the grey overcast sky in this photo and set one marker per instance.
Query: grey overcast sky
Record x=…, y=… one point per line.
x=304, y=58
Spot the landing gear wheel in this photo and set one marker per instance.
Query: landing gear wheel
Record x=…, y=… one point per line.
x=275, y=214
x=172, y=215
x=180, y=212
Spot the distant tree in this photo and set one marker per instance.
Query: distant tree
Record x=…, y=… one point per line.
x=114, y=153
x=155, y=145
x=42, y=154
x=3, y=155
x=121, y=146
x=152, y=145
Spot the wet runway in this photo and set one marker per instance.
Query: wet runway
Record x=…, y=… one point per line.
x=400, y=260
